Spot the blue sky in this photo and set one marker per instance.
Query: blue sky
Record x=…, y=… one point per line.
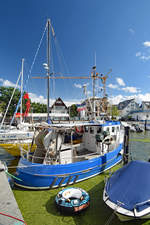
x=117, y=32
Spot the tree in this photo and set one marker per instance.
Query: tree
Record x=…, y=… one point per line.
x=5, y=95
x=114, y=111
x=38, y=108
x=73, y=110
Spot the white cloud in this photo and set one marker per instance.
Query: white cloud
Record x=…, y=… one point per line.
x=78, y=85
x=120, y=81
x=7, y=83
x=116, y=99
x=71, y=102
x=146, y=43
x=142, y=97
x=113, y=86
x=88, y=93
x=142, y=56
x=37, y=98
x=138, y=98
x=145, y=58
x=131, y=31
x=42, y=100
x=131, y=89
x=138, y=54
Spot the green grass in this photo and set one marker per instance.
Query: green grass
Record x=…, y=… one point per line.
x=38, y=207
x=145, y=140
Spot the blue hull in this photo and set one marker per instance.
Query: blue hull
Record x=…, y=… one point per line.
x=39, y=176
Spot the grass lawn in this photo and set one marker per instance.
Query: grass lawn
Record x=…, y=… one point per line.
x=146, y=140
x=38, y=207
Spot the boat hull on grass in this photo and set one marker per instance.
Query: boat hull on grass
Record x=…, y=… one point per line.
x=38, y=176
x=127, y=191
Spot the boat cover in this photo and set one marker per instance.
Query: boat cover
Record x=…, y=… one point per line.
x=129, y=187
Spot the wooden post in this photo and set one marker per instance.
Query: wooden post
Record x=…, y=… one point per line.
x=145, y=125
x=126, y=146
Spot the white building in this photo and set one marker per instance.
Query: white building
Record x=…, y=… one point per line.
x=143, y=113
x=127, y=106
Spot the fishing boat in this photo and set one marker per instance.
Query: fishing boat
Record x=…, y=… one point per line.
x=55, y=163
x=127, y=191
x=13, y=136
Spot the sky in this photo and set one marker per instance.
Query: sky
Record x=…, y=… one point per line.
x=113, y=35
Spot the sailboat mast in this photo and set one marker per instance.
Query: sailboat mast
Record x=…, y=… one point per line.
x=48, y=67
x=21, y=90
x=94, y=79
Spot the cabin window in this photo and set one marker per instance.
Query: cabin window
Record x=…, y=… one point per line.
x=117, y=128
x=86, y=129
x=99, y=130
x=91, y=130
x=107, y=129
x=113, y=129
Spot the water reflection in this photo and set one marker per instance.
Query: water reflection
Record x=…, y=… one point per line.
x=139, y=146
x=6, y=157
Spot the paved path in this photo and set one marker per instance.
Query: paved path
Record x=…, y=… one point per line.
x=8, y=204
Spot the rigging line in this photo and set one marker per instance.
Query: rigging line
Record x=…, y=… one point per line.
x=37, y=51
x=10, y=100
x=58, y=49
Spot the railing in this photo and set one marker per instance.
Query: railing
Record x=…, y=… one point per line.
x=50, y=160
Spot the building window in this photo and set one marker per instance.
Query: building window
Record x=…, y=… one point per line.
x=86, y=129
x=91, y=130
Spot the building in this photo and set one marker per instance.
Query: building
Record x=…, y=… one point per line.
x=59, y=111
x=100, y=106
x=126, y=107
x=143, y=113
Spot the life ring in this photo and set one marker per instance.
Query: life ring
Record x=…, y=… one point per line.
x=72, y=200
x=79, y=129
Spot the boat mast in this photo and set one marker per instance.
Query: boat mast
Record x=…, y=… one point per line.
x=48, y=66
x=21, y=91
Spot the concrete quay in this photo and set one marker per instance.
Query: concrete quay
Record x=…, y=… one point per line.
x=8, y=204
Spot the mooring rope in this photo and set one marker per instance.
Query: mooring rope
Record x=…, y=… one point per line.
x=13, y=217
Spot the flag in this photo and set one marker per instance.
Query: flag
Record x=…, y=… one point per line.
x=26, y=96
x=81, y=107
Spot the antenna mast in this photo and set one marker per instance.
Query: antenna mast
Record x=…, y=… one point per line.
x=48, y=66
x=21, y=90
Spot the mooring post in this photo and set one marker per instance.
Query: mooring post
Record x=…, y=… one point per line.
x=126, y=146
x=145, y=125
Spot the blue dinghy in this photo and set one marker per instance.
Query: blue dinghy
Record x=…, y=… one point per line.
x=127, y=191
x=56, y=163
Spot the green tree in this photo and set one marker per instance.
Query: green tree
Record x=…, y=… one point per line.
x=38, y=108
x=73, y=111
x=114, y=111
x=5, y=95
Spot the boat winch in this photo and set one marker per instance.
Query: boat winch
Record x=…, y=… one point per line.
x=72, y=200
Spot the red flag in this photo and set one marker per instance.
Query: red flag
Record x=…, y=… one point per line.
x=26, y=96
